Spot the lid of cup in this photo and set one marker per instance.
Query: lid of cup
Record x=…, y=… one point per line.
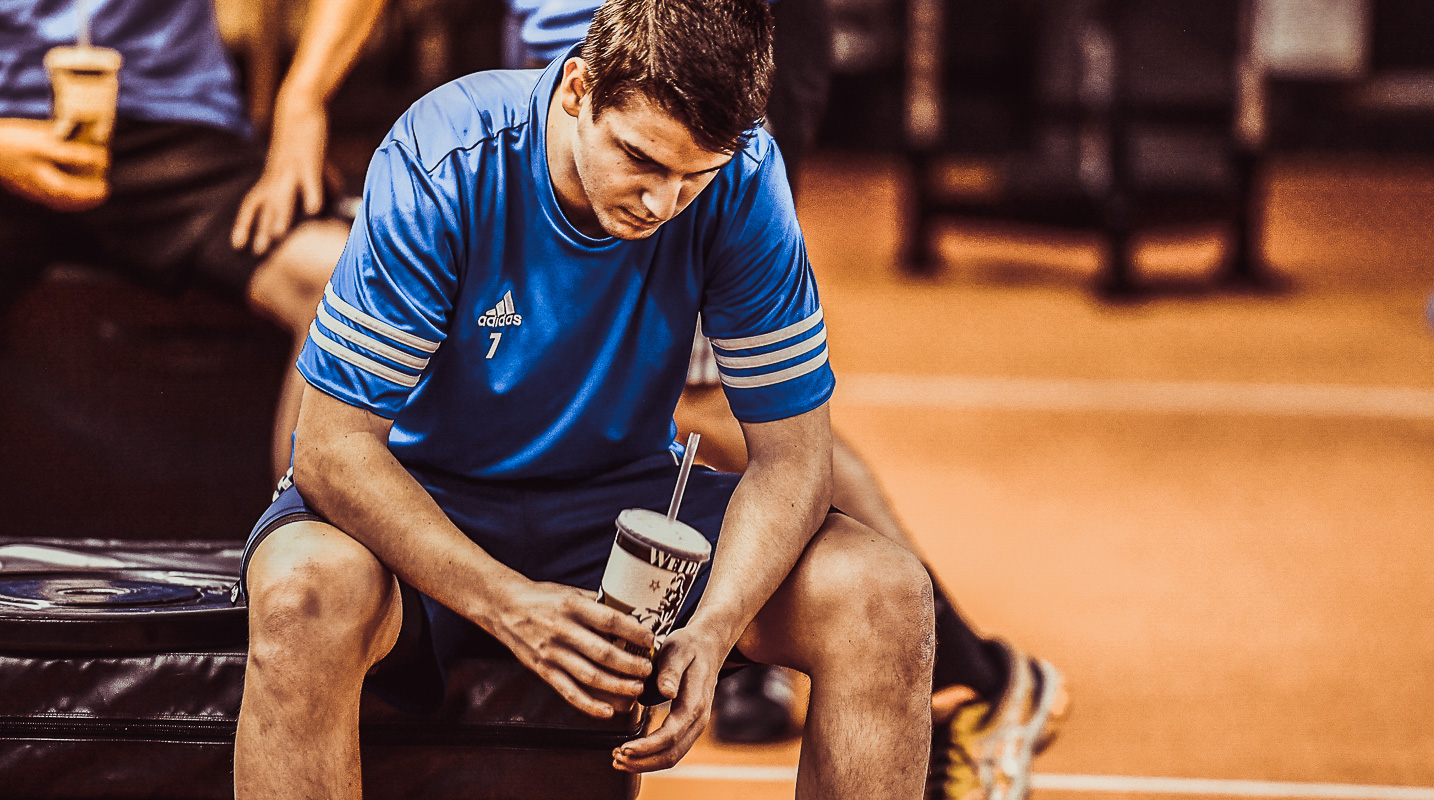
x=84, y=58
x=655, y=530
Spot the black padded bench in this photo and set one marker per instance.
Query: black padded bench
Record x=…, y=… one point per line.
x=96, y=708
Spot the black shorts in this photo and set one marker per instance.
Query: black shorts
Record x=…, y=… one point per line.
x=175, y=189
x=547, y=530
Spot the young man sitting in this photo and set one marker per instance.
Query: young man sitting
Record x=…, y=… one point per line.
x=457, y=471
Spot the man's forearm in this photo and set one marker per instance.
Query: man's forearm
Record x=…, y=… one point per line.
x=334, y=32
x=359, y=486
x=777, y=507
x=756, y=552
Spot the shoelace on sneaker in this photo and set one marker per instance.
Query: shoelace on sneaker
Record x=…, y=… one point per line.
x=1017, y=740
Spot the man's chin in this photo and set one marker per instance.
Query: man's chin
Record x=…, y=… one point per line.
x=634, y=234
x=619, y=228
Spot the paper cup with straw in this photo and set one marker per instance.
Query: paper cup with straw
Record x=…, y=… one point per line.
x=654, y=561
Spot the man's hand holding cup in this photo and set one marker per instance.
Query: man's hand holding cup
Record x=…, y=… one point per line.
x=687, y=670
x=63, y=163
x=595, y=656
x=40, y=167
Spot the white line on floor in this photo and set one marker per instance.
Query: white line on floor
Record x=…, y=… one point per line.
x=1101, y=783
x=1204, y=786
x=730, y=772
x=1159, y=397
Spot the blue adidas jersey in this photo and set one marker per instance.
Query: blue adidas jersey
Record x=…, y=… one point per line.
x=505, y=343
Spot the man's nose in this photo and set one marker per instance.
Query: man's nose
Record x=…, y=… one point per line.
x=660, y=199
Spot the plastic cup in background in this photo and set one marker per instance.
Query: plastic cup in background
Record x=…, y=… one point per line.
x=651, y=569
x=85, y=81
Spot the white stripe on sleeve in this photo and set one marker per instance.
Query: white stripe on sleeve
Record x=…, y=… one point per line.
x=776, y=356
x=375, y=324
x=359, y=360
x=352, y=336
x=771, y=378
x=795, y=329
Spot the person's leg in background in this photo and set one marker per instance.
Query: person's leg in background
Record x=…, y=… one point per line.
x=979, y=712
x=287, y=287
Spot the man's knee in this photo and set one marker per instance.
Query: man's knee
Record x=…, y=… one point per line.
x=316, y=594
x=876, y=594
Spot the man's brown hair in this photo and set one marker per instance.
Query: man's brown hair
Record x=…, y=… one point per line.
x=708, y=63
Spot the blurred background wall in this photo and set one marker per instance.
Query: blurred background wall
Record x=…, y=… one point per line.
x=149, y=417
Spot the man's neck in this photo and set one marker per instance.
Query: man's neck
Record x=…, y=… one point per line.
x=563, y=171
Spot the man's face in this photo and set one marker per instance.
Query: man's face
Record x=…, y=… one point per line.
x=638, y=166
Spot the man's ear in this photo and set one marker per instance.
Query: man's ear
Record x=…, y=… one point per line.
x=573, y=86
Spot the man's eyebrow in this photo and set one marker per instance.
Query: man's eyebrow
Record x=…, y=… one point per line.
x=636, y=152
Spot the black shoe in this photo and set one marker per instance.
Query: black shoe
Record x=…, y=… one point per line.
x=753, y=706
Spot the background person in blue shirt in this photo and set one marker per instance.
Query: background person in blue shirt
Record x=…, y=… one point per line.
x=160, y=204
x=606, y=201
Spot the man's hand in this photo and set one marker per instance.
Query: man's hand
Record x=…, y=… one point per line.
x=293, y=172
x=690, y=661
x=334, y=31
x=40, y=167
x=564, y=635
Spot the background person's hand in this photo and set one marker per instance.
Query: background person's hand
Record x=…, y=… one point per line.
x=293, y=172
x=40, y=167
x=688, y=666
x=564, y=635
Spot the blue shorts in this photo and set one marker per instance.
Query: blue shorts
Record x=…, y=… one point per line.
x=548, y=530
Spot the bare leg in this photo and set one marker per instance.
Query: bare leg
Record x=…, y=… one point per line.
x=857, y=492
x=322, y=611
x=287, y=288
x=855, y=614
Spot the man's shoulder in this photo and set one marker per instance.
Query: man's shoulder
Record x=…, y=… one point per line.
x=465, y=114
x=757, y=150
x=755, y=174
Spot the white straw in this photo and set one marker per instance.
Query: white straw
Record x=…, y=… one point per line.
x=682, y=474
x=83, y=9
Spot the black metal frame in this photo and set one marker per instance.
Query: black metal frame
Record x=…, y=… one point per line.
x=1117, y=206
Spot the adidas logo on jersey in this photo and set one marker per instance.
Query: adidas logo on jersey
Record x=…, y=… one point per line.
x=501, y=315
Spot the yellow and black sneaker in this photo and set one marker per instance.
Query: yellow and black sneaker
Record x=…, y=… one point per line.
x=984, y=753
